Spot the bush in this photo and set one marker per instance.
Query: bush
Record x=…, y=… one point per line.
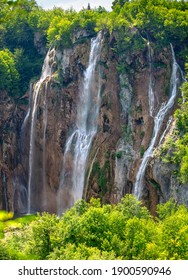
x=9, y=76
x=119, y=154
x=94, y=231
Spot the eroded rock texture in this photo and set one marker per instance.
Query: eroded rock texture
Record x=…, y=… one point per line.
x=125, y=129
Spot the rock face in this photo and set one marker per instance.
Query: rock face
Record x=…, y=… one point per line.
x=167, y=184
x=10, y=151
x=125, y=129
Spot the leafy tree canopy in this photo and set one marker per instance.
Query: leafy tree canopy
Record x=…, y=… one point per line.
x=162, y=21
x=95, y=231
x=9, y=75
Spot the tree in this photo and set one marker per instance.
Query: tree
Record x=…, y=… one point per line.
x=174, y=239
x=9, y=76
x=40, y=235
x=119, y=2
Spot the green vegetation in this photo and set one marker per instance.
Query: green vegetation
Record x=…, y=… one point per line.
x=175, y=148
x=127, y=133
x=142, y=133
x=119, y=154
x=142, y=151
x=26, y=31
x=17, y=40
x=137, y=21
x=89, y=230
x=92, y=231
x=103, y=176
x=9, y=76
x=162, y=20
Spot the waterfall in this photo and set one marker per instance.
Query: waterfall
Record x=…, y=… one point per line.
x=19, y=202
x=45, y=120
x=158, y=120
x=4, y=180
x=46, y=72
x=166, y=129
x=29, y=109
x=79, y=142
x=151, y=94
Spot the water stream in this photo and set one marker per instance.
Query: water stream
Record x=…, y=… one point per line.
x=158, y=121
x=151, y=94
x=79, y=142
x=45, y=121
x=4, y=180
x=46, y=72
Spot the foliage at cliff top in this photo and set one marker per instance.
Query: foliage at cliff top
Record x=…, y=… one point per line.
x=92, y=231
x=26, y=30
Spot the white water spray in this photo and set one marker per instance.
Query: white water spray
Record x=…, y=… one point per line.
x=158, y=120
x=45, y=121
x=151, y=94
x=4, y=180
x=79, y=142
x=46, y=72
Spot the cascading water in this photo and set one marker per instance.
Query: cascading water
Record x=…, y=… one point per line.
x=158, y=120
x=4, y=181
x=151, y=94
x=79, y=142
x=45, y=120
x=166, y=129
x=46, y=72
x=29, y=109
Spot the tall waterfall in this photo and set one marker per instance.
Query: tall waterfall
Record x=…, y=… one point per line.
x=46, y=72
x=151, y=94
x=4, y=180
x=45, y=120
x=158, y=120
x=79, y=142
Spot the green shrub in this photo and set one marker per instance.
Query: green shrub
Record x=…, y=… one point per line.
x=119, y=154
x=9, y=76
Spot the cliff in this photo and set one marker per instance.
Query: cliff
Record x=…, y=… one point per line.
x=34, y=135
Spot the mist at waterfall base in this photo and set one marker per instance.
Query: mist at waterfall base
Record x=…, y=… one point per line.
x=79, y=142
x=79, y=138
x=46, y=72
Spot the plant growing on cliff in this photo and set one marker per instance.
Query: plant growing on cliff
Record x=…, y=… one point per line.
x=119, y=154
x=9, y=76
x=175, y=150
x=142, y=151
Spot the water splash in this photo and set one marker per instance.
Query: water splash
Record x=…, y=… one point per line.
x=158, y=120
x=79, y=142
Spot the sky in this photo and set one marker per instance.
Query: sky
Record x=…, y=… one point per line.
x=76, y=4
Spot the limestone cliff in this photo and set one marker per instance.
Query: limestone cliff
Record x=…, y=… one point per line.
x=125, y=128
